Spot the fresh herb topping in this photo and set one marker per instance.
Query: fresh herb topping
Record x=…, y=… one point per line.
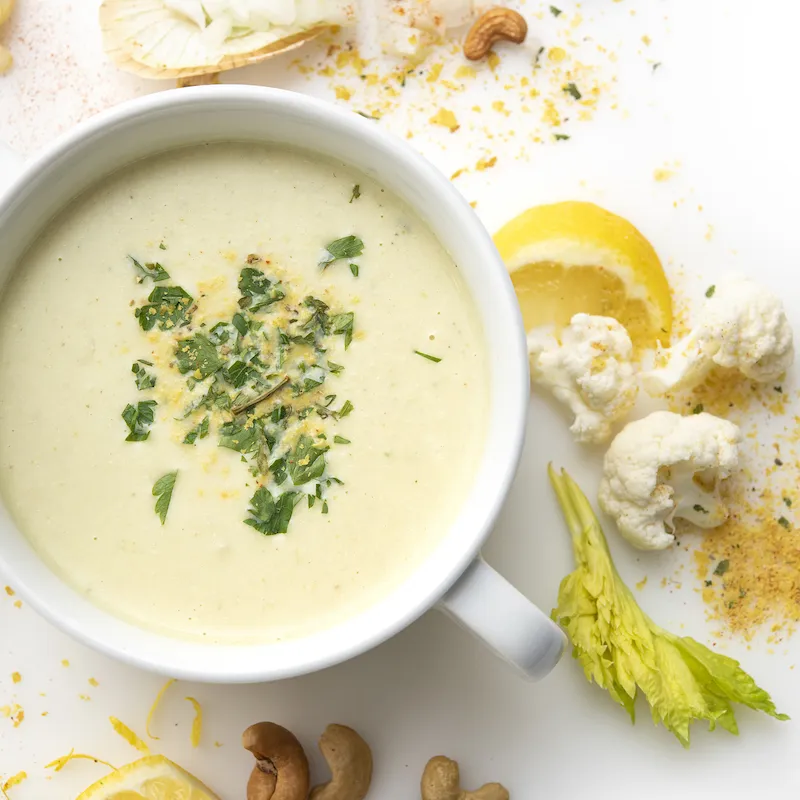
x=784, y=523
x=306, y=462
x=162, y=246
x=257, y=290
x=354, y=270
x=429, y=357
x=345, y=409
x=356, y=192
x=343, y=323
x=572, y=90
x=722, y=567
x=162, y=489
x=346, y=247
x=144, y=380
x=340, y=440
x=699, y=509
x=139, y=418
x=168, y=307
x=556, y=12
x=710, y=291
x=198, y=356
x=698, y=409
x=269, y=515
x=560, y=137
x=200, y=431
x=153, y=271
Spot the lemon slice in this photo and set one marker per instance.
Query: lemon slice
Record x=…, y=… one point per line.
x=149, y=778
x=574, y=257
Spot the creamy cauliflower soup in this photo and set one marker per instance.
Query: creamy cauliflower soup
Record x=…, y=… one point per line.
x=243, y=393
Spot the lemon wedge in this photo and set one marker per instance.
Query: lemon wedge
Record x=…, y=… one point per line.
x=574, y=257
x=149, y=778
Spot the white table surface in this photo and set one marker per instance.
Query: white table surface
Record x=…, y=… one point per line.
x=720, y=113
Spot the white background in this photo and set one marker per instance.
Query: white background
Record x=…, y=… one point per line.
x=721, y=110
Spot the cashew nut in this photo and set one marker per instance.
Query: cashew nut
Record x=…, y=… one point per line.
x=281, y=769
x=350, y=761
x=496, y=24
x=441, y=781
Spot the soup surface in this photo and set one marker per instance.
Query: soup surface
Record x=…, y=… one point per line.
x=242, y=393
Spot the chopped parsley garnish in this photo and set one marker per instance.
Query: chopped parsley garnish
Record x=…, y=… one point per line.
x=346, y=247
x=162, y=489
x=722, y=567
x=343, y=323
x=153, y=271
x=162, y=246
x=710, y=291
x=198, y=356
x=784, y=523
x=340, y=440
x=269, y=515
x=572, y=90
x=698, y=409
x=354, y=270
x=356, y=192
x=556, y=12
x=144, y=380
x=787, y=501
x=200, y=431
x=699, y=509
x=257, y=290
x=139, y=418
x=168, y=306
x=240, y=323
x=560, y=137
x=435, y=359
x=306, y=462
x=345, y=409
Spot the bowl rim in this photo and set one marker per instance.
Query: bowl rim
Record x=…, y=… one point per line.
x=514, y=396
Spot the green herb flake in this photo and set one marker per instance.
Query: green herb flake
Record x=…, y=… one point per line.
x=784, y=523
x=162, y=246
x=257, y=290
x=346, y=247
x=343, y=324
x=556, y=12
x=198, y=356
x=346, y=408
x=162, y=489
x=699, y=509
x=200, y=431
x=144, y=380
x=710, y=291
x=698, y=409
x=722, y=567
x=240, y=323
x=168, y=306
x=354, y=270
x=138, y=418
x=435, y=359
x=270, y=515
x=154, y=271
x=306, y=462
x=787, y=501
x=572, y=90
x=341, y=440
x=356, y=192
x=560, y=137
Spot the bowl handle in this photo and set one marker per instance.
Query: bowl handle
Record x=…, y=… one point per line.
x=488, y=606
x=10, y=165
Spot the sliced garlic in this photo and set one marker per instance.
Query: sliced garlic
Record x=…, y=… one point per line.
x=180, y=38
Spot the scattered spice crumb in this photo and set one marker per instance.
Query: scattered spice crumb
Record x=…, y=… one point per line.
x=662, y=175
x=642, y=583
x=486, y=163
x=64, y=662
x=16, y=677
x=93, y=682
x=446, y=118
x=9, y=591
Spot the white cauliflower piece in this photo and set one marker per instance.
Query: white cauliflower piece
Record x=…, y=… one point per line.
x=666, y=466
x=742, y=326
x=589, y=370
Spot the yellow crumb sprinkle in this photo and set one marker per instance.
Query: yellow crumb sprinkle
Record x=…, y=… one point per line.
x=64, y=662
x=343, y=93
x=486, y=163
x=662, y=175
x=445, y=118
x=18, y=604
x=493, y=60
x=551, y=115
x=9, y=591
x=556, y=54
x=434, y=73
x=457, y=173
x=93, y=682
x=500, y=106
x=16, y=677
x=465, y=72
x=642, y=583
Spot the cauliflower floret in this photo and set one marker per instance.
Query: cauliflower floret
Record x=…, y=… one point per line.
x=666, y=466
x=589, y=370
x=743, y=326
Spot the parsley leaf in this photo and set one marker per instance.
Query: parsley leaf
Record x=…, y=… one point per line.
x=340, y=440
x=711, y=289
x=435, y=359
x=306, y=462
x=242, y=438
x=343, y=323
x=200, y=431
x=162, y=489
x=346, y=408
x=238, y=373
x=560, y=137
x=240, y=323
x=572, y=90
x=268, y=515
x=722, y=567
x=354, y=270
x=198, y=356
x=154, y=271
x=556, y=12
x=138, y=418
x=257, y=290
x=346, y=247
x=144, y=380
x=356, y=192
x=168, y=306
